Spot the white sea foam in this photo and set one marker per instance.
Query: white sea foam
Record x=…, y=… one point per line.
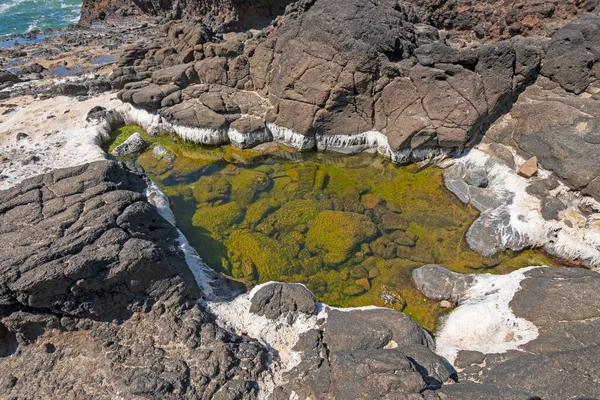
x=483, y=321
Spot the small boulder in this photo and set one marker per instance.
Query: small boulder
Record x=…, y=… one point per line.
x=6, y=76
x=160, y=152
x=437, y=283
x=134, y=144
x=476, y=177
x=276, y=299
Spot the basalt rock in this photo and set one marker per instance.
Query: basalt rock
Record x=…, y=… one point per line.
x=561, y=303
x=97, y=298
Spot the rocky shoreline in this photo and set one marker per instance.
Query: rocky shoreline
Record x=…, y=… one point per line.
x=102, y=296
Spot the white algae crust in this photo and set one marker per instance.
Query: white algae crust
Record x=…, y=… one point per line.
x=57, y=136
x=279, y=335
x=513, y=220
x=484, y=321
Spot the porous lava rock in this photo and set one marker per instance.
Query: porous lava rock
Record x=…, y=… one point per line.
x=96, y=297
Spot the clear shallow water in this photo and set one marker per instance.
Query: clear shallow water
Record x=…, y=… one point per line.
x=22, y=16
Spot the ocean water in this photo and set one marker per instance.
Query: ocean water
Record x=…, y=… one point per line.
x=22, y=16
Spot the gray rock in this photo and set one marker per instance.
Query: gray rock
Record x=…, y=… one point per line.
x=437, y=283
x=370, y=329
x=6, y=76
x=161, y=153
x=476, y=177
x=475, y=391
x=551, y=206
x=276, y=299
x=96, y=293
x=553, y=376
x=133, y=145
x=78, y=235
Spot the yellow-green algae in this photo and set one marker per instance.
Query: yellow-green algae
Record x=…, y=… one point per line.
x=351, y=228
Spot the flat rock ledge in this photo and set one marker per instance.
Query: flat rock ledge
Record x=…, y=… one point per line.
x=560, y=363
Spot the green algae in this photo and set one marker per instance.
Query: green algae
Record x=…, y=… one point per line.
x=337, y=233
x=351, y=228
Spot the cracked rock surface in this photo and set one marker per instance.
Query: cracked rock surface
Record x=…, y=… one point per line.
x=96, y=298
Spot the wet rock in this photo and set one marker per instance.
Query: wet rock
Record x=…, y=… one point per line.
x=133, y=145
x=161, y=153
x=276, y=299
x=392, y=221
x=437, y=283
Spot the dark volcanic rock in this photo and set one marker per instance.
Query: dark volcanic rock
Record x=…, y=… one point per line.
x=6, y=76
x=375, y=353
x=558, y=364
x=83, y=242
x=96, y=297
x=276, y=299
x=553, y=125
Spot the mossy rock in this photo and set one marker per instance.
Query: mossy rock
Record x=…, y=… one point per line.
x=265, y=253
x=217, y=219
x=247, y=184
x=293, y=214
x=337, y=234
x=211, y=188
x=354, y=290
x=292, y=243
x=259, y=210
x=245, y=270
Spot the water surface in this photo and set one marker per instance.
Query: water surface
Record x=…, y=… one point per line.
x=23, y=16
x=352, y=228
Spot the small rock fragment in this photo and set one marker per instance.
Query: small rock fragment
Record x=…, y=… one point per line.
x=529, y=169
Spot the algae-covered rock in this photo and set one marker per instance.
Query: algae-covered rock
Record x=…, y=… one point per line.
x=259, y=210
x=211, y=188
x=265, y=253
x=246, y=184
x=354, y=290
x=245, y=270
x=291, y=243
x=295, y=213
x=337, y=233
x=217, y=219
